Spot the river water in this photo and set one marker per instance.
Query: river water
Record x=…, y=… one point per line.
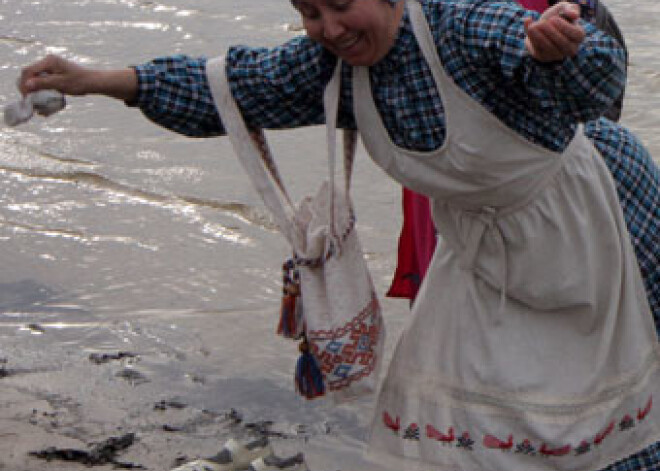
x=118, y=235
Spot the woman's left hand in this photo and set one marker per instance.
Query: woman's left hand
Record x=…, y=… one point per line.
x=556, y=35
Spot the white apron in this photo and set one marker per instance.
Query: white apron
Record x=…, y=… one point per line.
x=531, y=345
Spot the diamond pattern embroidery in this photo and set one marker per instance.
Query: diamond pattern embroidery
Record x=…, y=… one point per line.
x=347, y=354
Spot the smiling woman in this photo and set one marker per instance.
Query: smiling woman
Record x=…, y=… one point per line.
x=518, y=340
x=359, y=32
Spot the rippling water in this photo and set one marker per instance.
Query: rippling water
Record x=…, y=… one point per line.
x=116, y=233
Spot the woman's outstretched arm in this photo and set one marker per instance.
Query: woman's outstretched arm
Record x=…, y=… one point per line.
x=56, y=73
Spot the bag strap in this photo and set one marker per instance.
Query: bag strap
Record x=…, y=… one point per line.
x=257, y=160
x=249, y=152
x=331, y=107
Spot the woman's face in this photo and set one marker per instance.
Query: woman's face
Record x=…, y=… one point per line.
x=360, y=32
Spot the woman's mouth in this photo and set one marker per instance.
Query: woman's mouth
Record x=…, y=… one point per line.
x=346, y=43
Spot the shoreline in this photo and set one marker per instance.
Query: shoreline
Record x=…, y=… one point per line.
x=62, y=399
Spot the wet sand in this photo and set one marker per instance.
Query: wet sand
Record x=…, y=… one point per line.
x=58, y=401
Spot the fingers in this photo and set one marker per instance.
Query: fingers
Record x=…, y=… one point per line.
x=555, y=39
x=567, y=10
x=54, y=73
x=38, y=75
x=39, y=82
x=556, y=35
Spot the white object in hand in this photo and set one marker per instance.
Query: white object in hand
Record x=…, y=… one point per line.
x=42, y=102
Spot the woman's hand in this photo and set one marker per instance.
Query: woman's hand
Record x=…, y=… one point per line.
x=56, y=73
x=556, y=35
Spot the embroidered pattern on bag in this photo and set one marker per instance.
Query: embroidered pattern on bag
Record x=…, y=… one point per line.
x=259, y=139
x=347, y=354
x=524, y=447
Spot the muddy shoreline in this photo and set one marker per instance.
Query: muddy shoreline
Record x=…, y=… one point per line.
x=63, y=407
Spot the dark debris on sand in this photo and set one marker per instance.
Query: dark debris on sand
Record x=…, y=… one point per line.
x=100, y=358
x=100, y=454
x=169, y=404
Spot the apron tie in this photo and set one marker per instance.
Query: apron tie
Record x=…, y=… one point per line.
x=484, y=220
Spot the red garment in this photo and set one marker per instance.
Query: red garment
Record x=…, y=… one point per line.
x=416, y=246
x=536, y=5
x=418, y=237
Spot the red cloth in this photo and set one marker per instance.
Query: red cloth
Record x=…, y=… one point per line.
x=416, y=246
x=417, y=239
x=536, y=5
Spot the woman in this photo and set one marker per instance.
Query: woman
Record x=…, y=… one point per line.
x=535, y=350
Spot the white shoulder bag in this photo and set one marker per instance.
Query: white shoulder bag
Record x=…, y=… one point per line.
x=329, y=299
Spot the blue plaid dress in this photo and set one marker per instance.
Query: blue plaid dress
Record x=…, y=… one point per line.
x=481, y=44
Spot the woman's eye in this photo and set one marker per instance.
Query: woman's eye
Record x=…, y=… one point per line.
x=342, y=5
x=308, y=12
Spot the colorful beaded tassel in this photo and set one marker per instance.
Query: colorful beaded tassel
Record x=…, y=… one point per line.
x=308, y=375
x=309, y=378
x=291, y=312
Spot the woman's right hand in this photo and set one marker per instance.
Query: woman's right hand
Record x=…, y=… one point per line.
x=556, y=35
x=56, y=73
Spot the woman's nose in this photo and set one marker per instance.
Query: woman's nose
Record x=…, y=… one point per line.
x=332, y=27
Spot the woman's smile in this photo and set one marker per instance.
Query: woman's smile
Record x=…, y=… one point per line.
x=351, y=45
x=347, y=43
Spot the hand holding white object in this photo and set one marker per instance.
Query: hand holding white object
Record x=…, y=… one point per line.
x=67, y=77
